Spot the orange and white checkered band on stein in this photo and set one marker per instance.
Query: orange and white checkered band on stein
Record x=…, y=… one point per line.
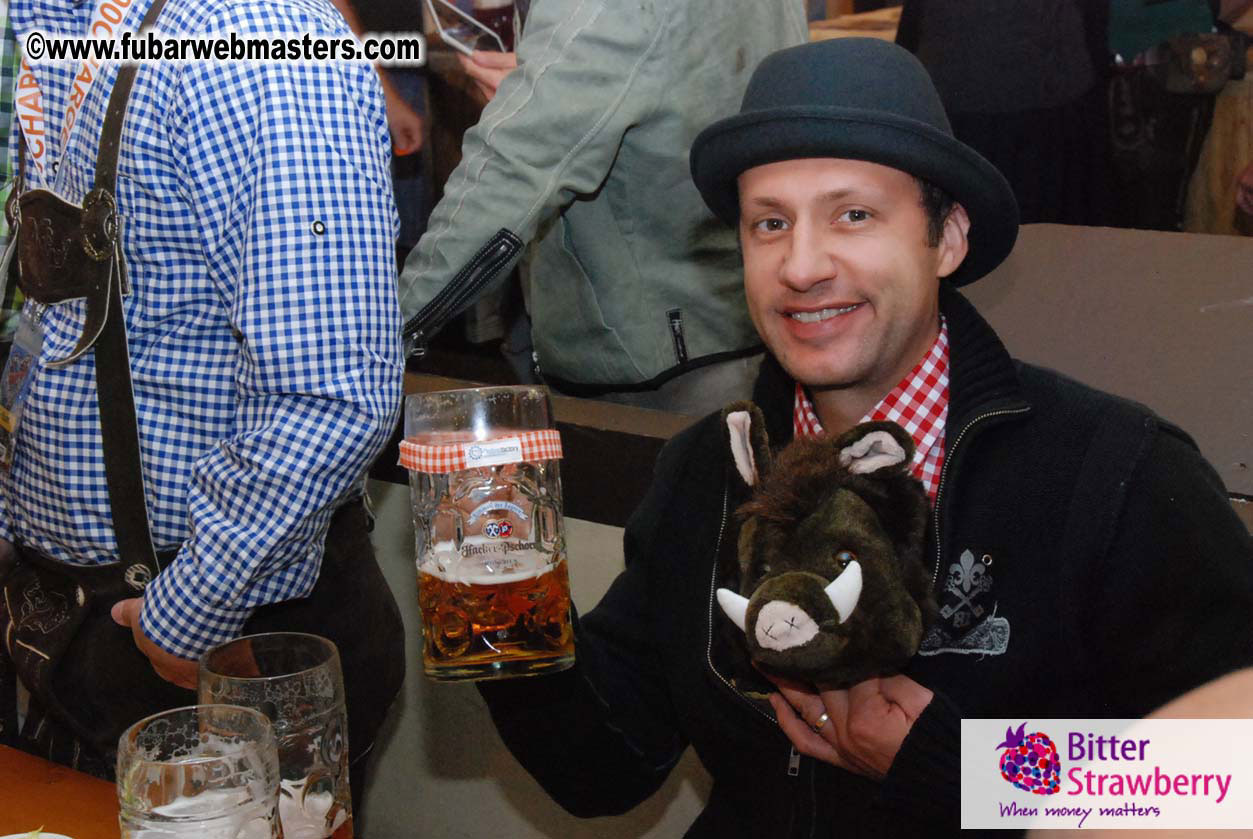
x=441, y=458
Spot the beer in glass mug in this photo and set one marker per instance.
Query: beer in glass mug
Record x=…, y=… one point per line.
x=493, y=588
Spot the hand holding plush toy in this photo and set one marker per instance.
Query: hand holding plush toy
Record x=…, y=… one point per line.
x=833, y=588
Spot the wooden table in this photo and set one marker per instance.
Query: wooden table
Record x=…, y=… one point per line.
x=881, y=23
x=35, y=793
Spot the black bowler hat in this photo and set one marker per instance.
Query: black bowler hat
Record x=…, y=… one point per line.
x=858, y=99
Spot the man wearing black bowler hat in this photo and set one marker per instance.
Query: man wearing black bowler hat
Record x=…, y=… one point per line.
x=1086, y=560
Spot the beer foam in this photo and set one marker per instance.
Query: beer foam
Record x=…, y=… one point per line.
x=304, y=816
x=226, y=815
x=240, y=812
x=487, y=562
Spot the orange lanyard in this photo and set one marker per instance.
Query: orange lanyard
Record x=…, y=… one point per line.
x=106, y=22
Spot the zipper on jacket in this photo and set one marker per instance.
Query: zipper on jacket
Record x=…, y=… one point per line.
x=478, y=272
x=675, y=318
x=709, y=648
x=813, y=807
x=948, y=459
x=794, y=763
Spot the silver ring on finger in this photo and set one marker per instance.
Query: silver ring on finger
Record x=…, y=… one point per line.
x=820, y=722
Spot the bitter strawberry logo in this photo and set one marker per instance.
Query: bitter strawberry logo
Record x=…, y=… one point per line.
x=1030, y=761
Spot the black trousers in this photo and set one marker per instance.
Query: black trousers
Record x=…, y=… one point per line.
x=109, y=684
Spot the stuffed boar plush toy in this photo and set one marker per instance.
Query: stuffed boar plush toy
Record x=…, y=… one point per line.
x=833, y=587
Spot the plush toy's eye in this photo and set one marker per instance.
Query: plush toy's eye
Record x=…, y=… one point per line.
x=843, y=558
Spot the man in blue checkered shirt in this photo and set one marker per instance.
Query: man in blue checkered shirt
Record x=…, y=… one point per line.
x=257, y=225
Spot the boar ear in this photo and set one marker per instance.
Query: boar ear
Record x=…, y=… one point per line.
x=746, y=434
x=872, y=446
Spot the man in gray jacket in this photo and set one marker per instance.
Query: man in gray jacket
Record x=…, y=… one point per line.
x=582, y=154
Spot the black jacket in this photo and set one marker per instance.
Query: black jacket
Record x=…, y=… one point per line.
x=1087, y=562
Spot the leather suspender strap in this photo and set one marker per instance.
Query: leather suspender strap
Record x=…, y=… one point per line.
x=111, y=130
x=119, y=426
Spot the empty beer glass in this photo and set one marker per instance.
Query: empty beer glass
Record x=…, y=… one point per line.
x=296, y=681
x=493, y=588
x=205, y=771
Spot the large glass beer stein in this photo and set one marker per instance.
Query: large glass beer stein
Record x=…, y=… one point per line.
x=204, y=771
x=295, y=680
x=486, y=490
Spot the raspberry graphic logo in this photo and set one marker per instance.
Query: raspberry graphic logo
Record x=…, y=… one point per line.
x=1030, y=761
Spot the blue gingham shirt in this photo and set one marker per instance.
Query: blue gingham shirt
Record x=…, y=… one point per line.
x=258, y=228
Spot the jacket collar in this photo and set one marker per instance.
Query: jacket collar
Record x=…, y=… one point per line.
x=982, y=375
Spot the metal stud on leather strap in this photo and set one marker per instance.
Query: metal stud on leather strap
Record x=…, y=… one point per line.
x=119, y=426
x=138, y=576
x=99, y=225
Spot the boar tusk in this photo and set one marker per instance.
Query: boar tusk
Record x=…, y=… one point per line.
x=735, y=606
x=845, y=590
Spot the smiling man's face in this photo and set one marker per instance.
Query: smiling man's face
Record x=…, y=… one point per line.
x=841, y=281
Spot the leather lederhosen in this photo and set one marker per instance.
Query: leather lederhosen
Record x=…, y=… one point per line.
x=94, y=681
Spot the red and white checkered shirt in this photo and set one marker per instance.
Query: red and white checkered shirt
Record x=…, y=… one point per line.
x=919, y=404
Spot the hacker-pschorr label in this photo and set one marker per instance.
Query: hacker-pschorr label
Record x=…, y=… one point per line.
x=1074, y=773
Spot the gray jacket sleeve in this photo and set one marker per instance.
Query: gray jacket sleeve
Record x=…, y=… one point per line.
x=549, y=136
